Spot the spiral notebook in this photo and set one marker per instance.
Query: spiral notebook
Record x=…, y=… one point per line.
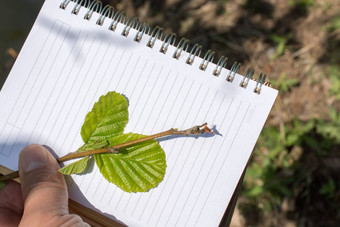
x=78, y=51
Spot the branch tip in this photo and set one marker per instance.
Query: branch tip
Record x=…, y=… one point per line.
x=196, y=130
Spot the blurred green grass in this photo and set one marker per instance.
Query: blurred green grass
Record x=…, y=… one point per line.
x=294, y=173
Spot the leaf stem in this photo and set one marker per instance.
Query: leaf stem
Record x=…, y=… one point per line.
x=196, y=130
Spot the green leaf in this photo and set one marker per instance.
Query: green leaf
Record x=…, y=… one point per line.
x=328, y=188
x=107, y=118
x=75, y=167
x=2, y=185
x=136, y=168
x=255, y=191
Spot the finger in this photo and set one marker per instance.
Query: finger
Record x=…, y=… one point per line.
x=43, y=187
x=11, y=204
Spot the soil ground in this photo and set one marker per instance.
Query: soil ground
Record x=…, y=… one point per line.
x=296, y=43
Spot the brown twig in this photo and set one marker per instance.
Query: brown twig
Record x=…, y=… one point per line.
x=196, y=130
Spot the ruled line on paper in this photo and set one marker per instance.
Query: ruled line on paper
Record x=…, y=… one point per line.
x=173, y=145
x=73, y=104
x=170, y=173
x=29, y=75
x=44, y=81
x=221, y=165
x=53, y=89
x=139, y=77
x=236, y=113
x=131, y=97
x=155, y=102
x=140, y=74
x=59, y=93
x=186, y=179
x=13, y=126
x=95, y=191
x=24, y=94
x=179, y=111
x=165, y=101
x=84, y=98
x=195, y=181
x=143, y=108
x=123, y=73
x=78, y=80
x=107, y=88
x=3, y=145
x=200, y=108
x=105, y=191
x=77, y=132
x=115, y=71
x=88, y=186
x=68, y=95
x=132, y=73
x=142, y=94
x=151, y=194
x=146, y=122
x=104, y=75
x=38, y=75
x=37, y=95
x=79, y=126
x=147, y=80
x=185, y=97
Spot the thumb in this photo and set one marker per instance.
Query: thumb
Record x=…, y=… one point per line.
x=43, y=187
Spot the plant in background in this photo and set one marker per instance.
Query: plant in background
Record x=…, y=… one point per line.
x=281, y=44
x=330, y=129
x=301, y=5
x=2, y=184
x=297, y=166
x=283, y=84
x=334, y=75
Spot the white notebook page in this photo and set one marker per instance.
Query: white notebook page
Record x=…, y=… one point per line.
x=67, y=63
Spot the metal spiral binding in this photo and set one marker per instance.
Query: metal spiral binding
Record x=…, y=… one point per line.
x=144, y=28
x=182, y=45
x=195, y=51
x=208, y=57
x=259, y=83
x=169, y=39
x=96, y=5
x=132, y=22
x=64, y=4
x=249, y=75
x=222, y=62
x=119, y=17
x=233, y=70
x=107, y=11
x=78, y=5
x=157, y=33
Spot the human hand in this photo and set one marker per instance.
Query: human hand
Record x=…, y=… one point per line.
x=42, y=199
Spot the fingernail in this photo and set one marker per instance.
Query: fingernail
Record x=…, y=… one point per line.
x=33, y=157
